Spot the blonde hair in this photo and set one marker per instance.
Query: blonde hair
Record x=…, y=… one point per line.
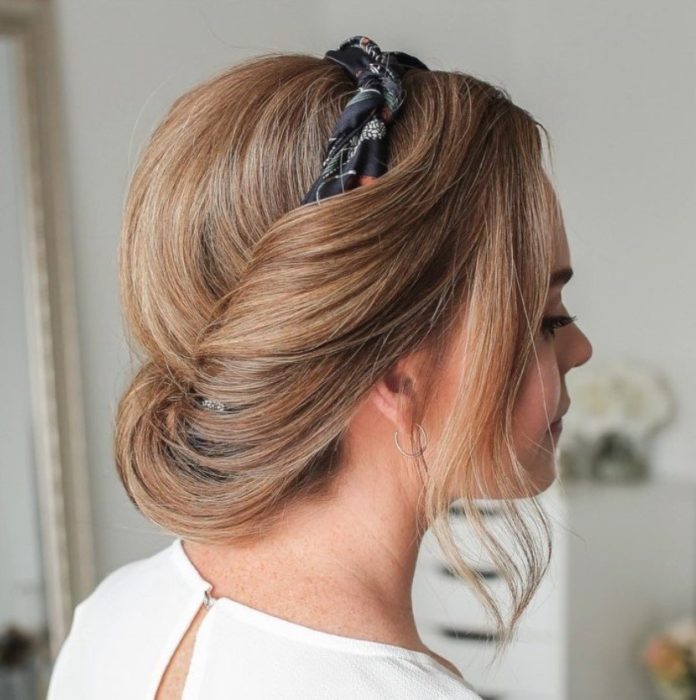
x=231, y=290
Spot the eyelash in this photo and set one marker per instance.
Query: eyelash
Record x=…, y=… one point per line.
x=551, y=323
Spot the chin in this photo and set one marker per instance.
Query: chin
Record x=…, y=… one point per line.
x=543, y=470
x=540, y=471
x=539, y=478
x=543, y=479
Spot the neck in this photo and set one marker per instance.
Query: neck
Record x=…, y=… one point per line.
x=345, y=566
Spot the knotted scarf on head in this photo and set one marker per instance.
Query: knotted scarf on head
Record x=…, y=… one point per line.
x=357, y=150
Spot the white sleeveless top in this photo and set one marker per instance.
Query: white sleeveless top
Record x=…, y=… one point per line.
x=124, y=633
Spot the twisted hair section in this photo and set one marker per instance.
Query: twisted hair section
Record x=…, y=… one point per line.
x=289, y=313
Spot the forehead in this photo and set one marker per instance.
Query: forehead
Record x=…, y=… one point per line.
x=557, y=229
x=561, y=256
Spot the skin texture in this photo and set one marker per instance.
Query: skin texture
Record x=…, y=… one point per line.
x=347, y=566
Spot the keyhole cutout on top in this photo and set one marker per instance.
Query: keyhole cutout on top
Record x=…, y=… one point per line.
x=173, y=680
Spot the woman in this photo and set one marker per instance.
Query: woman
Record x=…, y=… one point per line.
x=337, y=344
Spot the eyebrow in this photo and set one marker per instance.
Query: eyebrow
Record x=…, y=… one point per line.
x=561, y=276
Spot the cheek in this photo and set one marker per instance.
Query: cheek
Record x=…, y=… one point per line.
x=539, y=396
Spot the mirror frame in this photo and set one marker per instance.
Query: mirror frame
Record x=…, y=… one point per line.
x=67, y=546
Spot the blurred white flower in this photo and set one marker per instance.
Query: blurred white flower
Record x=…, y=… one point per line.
x=683, y=631
x=623, y=396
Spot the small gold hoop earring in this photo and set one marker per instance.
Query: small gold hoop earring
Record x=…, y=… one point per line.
x=412, y=454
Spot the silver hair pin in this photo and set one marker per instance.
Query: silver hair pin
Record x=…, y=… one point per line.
x=213, y=405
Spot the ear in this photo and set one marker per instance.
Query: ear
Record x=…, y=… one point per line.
x=394, y=393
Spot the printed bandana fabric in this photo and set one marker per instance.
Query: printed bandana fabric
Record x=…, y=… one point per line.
x=358, y=147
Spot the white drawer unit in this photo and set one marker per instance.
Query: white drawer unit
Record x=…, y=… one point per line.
x=445, y=600
x=531, y=668
x=623, y=564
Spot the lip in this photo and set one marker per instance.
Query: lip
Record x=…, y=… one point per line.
x=562, y=413
x=556, y=427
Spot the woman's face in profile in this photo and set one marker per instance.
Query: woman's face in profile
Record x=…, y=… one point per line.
x=559, y=346
x=543, y=396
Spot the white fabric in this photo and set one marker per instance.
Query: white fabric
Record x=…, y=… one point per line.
x=124, y=633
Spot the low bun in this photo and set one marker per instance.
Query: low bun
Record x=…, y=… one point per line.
x=191, y=471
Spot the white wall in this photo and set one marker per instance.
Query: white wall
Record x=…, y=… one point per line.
x=22, y=595
x=612, y=82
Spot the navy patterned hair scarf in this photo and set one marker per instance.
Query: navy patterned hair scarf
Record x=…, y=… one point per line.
x=357, y=151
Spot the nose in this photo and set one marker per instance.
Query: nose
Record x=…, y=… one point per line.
x=581, y=348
